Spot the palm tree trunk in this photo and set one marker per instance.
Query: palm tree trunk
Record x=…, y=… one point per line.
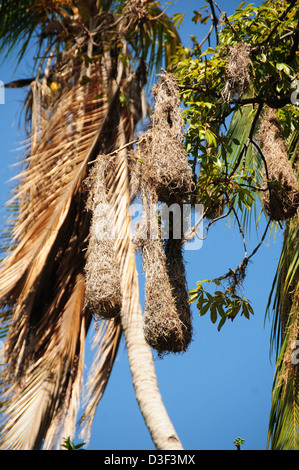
x=145, y=383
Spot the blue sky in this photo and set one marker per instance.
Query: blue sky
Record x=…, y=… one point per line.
x=221, y=387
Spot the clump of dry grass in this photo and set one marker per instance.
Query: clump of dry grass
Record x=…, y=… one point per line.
x=167, y=318
x=103, y=287
x=281, y=201
x=165, y=167
x=134, y=13
x=239, y=68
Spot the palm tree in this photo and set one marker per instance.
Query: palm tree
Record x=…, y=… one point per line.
x=83, y=103
x=284, y=414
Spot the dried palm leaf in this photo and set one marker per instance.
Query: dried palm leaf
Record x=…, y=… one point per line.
x=106, y=342
x=43, y=277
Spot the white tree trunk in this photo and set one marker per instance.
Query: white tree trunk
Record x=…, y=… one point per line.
x=145, y=382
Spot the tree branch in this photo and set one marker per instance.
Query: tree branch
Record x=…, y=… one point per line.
x=214, y=19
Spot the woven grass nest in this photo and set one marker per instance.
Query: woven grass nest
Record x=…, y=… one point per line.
x=239, y=68
x=160, y=173
x=102, y=277
x=164, y=166
x=167, y=314
x=281, y=201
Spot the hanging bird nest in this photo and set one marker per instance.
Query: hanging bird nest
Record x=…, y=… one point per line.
x=167, y=323
x=281, y=201
x=176, y=273
x=134, y=13
x=239, y=68
x=161, y=152
x=103, y=287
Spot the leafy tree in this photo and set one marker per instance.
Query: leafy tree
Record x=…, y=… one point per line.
x=240, y=91
x=84, y=104
x=85, y=99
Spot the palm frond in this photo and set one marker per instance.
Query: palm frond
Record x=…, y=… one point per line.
x=43, y=276
x=237, y=157
x=283, y=431
x=17, y=24
x=105, y=343
x=42, y=286
x=283, y=299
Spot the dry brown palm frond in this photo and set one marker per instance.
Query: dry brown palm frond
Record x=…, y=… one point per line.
x=106, y=342
x=281, y=201
x=43, y=278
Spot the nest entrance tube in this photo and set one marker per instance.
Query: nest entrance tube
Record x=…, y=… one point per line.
x=281, y=201
x=102, y=276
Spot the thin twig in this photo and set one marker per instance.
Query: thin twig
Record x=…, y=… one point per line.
x=192, y=232
x=215, y=20
x=207, y=36
x=118, y=149
x=224, y=16
x=244, y=262
x=281, y=18
x=241, y=231
x=261, y=242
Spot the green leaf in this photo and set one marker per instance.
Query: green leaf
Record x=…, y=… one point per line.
x=285, y=68
x=178, y=19
x=193, y=297
x=221, y=323
x=220, y=310
x=213, y=313
x=200, y=301
x=204, y=309
x=245, y=311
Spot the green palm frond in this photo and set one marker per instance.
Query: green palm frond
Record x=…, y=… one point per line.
x=31, y=22
x=283, y=300
x=243, y=158
x=284, y=416
x=17, y=24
